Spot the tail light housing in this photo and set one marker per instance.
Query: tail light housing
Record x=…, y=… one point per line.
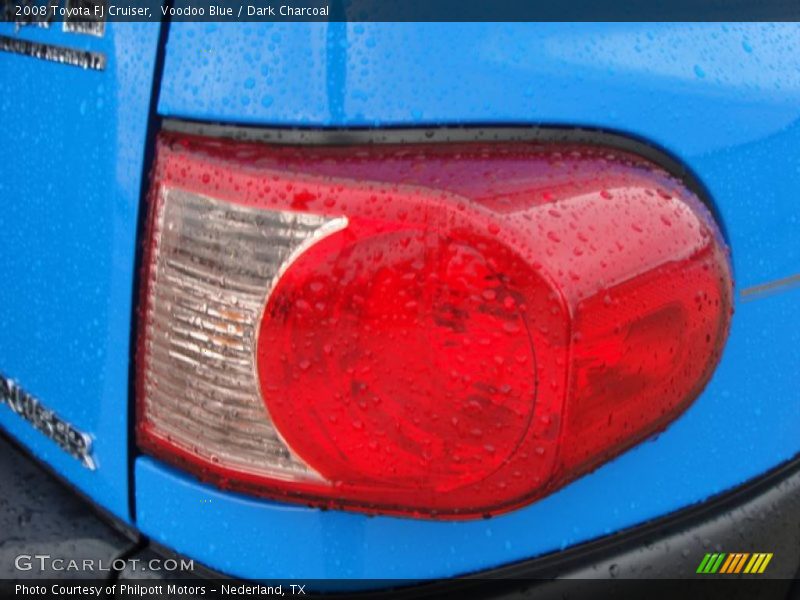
x=439, y=330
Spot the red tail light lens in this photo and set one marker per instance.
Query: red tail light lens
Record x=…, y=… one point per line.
x=441, y=329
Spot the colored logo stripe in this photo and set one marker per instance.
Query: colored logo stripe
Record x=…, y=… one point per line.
x=758, y=563
x=711, y=563
x=732, y=558
x=734, y=563
x=739, y=566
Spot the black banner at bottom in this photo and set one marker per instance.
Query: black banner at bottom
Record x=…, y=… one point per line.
x=589, y=589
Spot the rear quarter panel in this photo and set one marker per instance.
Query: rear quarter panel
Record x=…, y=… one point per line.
x=72, y=144
x=722, y=99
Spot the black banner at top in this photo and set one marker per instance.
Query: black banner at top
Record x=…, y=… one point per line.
x=44, y=12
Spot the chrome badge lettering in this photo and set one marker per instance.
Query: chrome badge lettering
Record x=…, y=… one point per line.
x=79, y=16
x=82, y=17
x=59, y=54
x=69, y=439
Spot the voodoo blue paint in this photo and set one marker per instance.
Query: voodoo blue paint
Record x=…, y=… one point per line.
x=71, y=150
x=723, y=99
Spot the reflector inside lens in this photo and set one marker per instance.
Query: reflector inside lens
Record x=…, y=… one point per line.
x=212, y=268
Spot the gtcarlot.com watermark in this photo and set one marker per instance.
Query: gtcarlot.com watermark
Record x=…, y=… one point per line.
x=49, y=564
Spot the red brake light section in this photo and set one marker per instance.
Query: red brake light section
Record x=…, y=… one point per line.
x=444, y=330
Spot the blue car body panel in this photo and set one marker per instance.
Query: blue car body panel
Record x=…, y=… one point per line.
x=722, y=99
x=71, y=152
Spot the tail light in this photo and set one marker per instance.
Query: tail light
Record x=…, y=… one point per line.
x=443, y=330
